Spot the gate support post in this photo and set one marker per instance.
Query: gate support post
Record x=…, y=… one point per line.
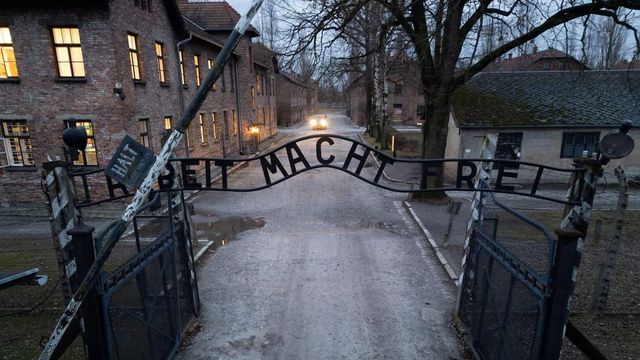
x=566, y=258
x=93, y=323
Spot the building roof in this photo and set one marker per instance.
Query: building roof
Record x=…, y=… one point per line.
x=561, y=98
x=198, y=32
x=264, y=56
x=213, y=16
x=523, y=62
x=292, y=78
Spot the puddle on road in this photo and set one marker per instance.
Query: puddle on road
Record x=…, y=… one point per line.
x=221, y=231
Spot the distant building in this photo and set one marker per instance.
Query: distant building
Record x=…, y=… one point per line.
x=628, y=65
x=544, y=117
x=291, y=99
x=546, y=60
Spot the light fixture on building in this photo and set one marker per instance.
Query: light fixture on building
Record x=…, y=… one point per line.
x=119, y=91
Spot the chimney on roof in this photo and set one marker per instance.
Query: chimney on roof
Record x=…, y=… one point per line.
x=510, y=56
x=535, y=49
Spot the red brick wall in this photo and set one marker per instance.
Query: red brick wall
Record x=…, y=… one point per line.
x=45, y=101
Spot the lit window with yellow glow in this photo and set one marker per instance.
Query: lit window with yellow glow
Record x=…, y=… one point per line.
x=167, y=122
x=17, y=143
x=181, y=56
x=89, y=156
x=162, y=76
x=134, y=58
x=66, y=41
x=8, y=65
x=203, y=129
x=214, y=86
x=196, y=65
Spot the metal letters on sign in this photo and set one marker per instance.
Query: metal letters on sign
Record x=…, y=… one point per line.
x=131, y=163
x=291, y=159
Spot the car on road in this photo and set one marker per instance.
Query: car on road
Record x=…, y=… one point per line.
x=318, y=122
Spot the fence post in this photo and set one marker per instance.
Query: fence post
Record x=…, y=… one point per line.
x=91, y=311
x=563, y=282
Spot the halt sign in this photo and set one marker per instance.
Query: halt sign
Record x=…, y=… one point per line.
x=130, y=163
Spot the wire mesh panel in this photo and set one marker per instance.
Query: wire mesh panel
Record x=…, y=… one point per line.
x=506, y=283
x=149, y=300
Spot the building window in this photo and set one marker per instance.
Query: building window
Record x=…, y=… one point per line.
x=143, y=5
x=398, y=89
x=420, y=112
x=188, y=137
x=134, y=58
x=68, y=52
x=214, y=118
x=203, y=129
x=143, y=128
x=196, y=65
x=17, y=143
x=8, y=65
x=264, y=117
x=258, y=83
x=574, y=143
x=181, y=58
x=232, y=77
x=167, y=122
x=214, y=86
x=508, y=146
x=234, y=119
x=253, y=97
x=162, y=75
x=225, y=120
x=89, y=156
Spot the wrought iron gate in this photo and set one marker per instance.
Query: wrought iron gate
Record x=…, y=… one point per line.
x=506, y=295
x=146, y=293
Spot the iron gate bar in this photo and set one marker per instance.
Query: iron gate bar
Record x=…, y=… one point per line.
x=540, y=294
x=550, y=239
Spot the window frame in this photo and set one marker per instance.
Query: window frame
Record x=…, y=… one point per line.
x=68, y=47
x=183, y=78
x=5, y=62
x=203, y=129
x=214, y=121
x=143, y=130
x=585, y=134
x=502, y=135
x=134, y=53
x=161, y=63
x=21, y=138
x=196, y=67
x=214, y=86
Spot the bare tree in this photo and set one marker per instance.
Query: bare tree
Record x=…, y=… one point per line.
x=442, y=32
x=604, y=41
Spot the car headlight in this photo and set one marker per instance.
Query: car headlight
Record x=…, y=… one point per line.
x=323, y=122
x=313, y=122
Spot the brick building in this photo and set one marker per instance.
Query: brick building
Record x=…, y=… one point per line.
x=114, y=68
x=291, y=100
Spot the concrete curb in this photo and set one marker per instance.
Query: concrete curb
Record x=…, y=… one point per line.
x=443, y=261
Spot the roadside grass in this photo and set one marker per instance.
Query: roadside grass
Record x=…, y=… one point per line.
x=22, y=335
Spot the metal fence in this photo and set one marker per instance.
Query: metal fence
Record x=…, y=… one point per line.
x=147, y=292
x=504, y=298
